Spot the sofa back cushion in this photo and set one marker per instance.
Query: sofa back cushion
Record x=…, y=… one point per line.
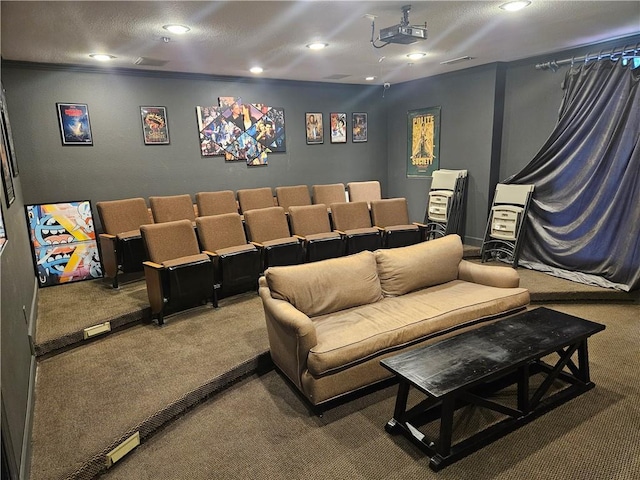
x=327, y=286
x=405, y=269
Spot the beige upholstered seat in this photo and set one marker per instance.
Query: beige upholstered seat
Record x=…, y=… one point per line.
x=392, y=216
x=216, y=203
x=364, y=191
x=353, y=221
x=311, y=224
x=268, y=229
x=121, y=244
x=254, y=198
x=295, y=195
x=171, y=208
x=236, y=262
x=328, y=194
x=178, y=274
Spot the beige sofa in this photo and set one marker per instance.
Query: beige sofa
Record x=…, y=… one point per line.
x=331, y=322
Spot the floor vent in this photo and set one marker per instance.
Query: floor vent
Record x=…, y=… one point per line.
x=97, y=330
x=121, y=450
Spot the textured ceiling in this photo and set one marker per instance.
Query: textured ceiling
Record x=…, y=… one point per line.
x=227, y=38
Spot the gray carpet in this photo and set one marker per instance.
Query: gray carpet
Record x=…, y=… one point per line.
x=88, y=397
x=260, y=429
x=91, y=397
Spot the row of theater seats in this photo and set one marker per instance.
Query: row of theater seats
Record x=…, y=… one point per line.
x=225, y=255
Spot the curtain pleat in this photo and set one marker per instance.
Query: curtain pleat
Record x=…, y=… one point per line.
x=584, y=219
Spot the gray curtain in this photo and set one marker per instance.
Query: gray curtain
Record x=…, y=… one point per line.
x=584, y=219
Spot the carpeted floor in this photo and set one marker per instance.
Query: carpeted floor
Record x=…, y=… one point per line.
x=89, y=398
x=260, y=429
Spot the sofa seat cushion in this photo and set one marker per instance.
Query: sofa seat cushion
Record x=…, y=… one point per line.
x=336, y=284
x=405, y=269
x=357, y=334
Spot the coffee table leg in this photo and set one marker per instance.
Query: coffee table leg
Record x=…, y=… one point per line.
x=400, y=408
x=583, y=362
x=446, y=426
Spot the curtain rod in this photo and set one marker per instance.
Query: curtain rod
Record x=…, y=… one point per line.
x=553, y=65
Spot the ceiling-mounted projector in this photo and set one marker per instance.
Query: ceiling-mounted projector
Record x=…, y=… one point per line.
x=403, y=33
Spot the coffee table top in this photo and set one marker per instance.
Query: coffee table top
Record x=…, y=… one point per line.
x=471, y=357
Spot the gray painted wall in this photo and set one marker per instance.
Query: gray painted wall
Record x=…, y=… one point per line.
x=18, y=299
x=467, y=101
x=119, y=165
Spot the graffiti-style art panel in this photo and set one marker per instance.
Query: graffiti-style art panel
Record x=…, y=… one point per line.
x=63, y=242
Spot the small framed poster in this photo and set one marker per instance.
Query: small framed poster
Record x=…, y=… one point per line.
x=75, y=127
x=5, y=164
x=155, y=128
x=359, y=127
x=423, y=142
x=315, y=133
x=338, y=128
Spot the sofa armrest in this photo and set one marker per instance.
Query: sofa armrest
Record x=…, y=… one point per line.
x=291, y=334
x=490, y=275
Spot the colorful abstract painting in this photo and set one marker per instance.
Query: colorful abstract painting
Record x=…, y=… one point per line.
x=63, y=242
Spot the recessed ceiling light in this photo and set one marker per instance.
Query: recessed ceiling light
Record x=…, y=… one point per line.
x=256, y=70
x=178, y=29
x=317, y=46
x=369, y=79
x=515, y=6
x=102, y=57
x=416, y=55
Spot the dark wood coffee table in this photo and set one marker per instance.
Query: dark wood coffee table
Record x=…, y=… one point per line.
x=468, y=368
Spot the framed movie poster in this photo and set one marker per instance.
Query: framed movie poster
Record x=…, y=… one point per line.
x=63, y=242
x=6, y=129
x=3, y=233
x=154, y=125
x=315, y=133
x=7, y=178
x=359, y=127
x=75, y=127
x=423, y=143
x=338, y=128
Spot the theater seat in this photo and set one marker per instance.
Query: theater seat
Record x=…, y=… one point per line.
x=353, y=221
x=294, y=195
x=216, y=203
x=122, y=249
x=178, y=274
x=254, y=198
x=172, y=207
x=364, y=191
x=268, y=230
x=391, y=215
x=311, y=224
x=236, y=263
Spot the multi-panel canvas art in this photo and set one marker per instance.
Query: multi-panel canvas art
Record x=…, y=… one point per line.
x=241, y=132
x=63, y=242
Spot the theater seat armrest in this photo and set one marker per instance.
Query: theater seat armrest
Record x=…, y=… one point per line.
x=490, y=275
x=257, y=244
x=340, y=232
x=299, y=237
x=210, y=254
x=107, y=236
x=153, y=265
x=419, y=225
